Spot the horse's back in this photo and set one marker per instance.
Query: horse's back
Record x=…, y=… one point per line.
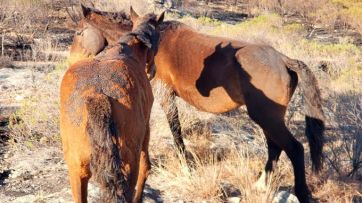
x=215, y=73
x=114, y=78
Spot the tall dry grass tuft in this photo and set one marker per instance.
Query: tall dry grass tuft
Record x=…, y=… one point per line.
x=213, y=180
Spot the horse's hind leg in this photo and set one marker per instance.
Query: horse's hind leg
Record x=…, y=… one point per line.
x=280, y=135
x=270, y=117
x=295, y=151
x=79, y=185
x=168, y=104
x=144, y=168
x=273, y=155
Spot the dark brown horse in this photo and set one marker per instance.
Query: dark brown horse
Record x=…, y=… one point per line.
x=104, y=116
x=218, y=75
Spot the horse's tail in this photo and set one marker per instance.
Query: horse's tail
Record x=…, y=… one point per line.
x=105, y=154
x=314, y=113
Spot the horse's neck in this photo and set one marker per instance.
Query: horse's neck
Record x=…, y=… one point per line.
x=110, y=32
x=112, y=35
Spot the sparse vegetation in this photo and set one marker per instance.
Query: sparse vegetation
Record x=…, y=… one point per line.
x=228, y=150
x=37, y=119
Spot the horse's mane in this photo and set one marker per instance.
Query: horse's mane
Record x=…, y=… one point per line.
x=171, y=25
x=115, y=17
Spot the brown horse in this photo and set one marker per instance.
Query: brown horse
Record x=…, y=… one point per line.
x=218, y=75
x=89, y=39
x=105, y=110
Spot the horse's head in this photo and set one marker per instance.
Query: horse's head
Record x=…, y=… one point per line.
x=147, y=31
x=96, y=30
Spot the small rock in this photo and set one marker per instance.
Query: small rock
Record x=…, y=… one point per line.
x=285, y=197
x=19, y=97
x=234, y=200
x=44, y=140
x=229, y=190
x=147, y=191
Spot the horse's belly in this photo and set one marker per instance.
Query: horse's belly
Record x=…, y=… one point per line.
x=218, y=101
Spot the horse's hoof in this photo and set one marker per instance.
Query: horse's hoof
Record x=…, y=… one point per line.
x=285, y=197
x=261, y=183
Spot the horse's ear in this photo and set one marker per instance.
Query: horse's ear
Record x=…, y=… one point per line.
x=85, y=10
x=133, y=14
x=161, y=17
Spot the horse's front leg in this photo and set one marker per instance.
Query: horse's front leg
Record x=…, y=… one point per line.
x=168, y=104
x=79, y=185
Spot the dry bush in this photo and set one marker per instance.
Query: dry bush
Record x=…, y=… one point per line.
x=140, y=6
x=5, y=61
x=257, y=7
x=25, y=15
x=332, y=190
x=290, y=7
x=31, y=29
x=345, y=145
x=325, y=13
x=352, y=16
x=325, y=16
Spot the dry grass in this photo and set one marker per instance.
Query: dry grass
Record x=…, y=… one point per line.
x=211, y=179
